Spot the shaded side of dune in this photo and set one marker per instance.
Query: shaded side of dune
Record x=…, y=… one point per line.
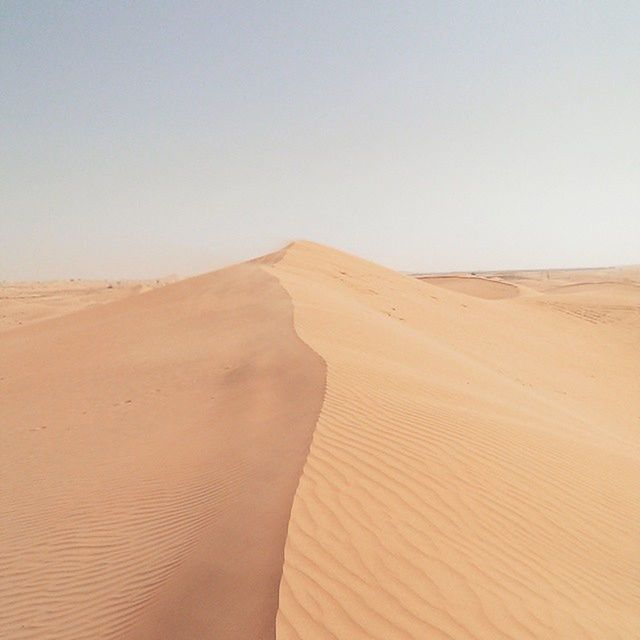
x=150, y=452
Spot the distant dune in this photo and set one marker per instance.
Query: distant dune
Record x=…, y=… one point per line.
x=311, y=446
x=22, y=303
x=475, y=286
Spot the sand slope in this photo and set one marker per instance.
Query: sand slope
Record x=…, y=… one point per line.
x=473, y=469
x=149, y=454
x=474, y=472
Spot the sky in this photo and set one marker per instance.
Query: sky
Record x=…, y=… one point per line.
x=153, y=138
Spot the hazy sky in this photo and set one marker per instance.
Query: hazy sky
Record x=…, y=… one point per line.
x=146, y=138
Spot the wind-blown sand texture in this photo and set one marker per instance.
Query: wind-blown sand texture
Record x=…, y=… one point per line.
x=310, y=446
x=150, y=451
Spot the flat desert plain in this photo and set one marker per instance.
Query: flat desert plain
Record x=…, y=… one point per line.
x=309, y=446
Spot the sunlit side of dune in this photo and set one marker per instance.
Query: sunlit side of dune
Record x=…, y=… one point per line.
x=474, y=472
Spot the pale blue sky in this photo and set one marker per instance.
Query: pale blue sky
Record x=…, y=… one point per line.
x=147, y=138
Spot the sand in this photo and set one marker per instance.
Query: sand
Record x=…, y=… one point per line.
x=22, y=303
x=149, y=455
x=478, y=287
x=311, y=446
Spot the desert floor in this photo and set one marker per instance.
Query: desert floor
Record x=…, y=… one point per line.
x=22, y=303
x=309, y=446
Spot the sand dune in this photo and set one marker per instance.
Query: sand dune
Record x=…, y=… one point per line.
x=311, y=446
x=475, y=286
